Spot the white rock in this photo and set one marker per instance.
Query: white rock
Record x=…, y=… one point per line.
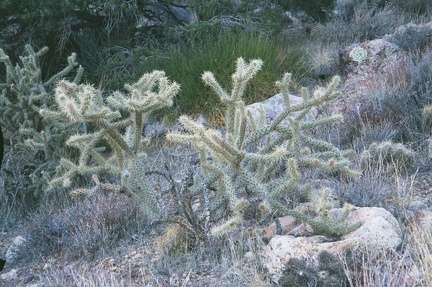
x=379, y=232
x=11, y=275
x=275, y=105
x=13, y=251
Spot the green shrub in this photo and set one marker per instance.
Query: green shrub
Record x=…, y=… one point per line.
x=184, y=65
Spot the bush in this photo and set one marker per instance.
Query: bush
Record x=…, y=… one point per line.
x=363, y=23
x=185, y=65
x=83, y=229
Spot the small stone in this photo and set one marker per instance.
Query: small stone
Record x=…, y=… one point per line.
x=28, y=278
x=46, y=266
x=11, y=275
x=250, y=256
x=13, y=251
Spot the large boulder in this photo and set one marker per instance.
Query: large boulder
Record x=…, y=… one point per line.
x=379, y=232
x=370, y=66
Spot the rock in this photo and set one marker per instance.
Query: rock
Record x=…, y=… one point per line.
x=369, y=67
x=9, y=276
x=287, y=223
x=274, y=106
x=12, y=253
x=183, y=13
x=28, y=279
x=379, y=232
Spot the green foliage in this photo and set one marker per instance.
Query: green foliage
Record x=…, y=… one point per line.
x=259, y=162
x=118, y=123
x=185, y=64
x=41, y=141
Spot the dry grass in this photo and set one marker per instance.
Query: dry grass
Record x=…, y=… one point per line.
x=323, y=59
x=410, y=266
x=420, y=239
x=366, y=269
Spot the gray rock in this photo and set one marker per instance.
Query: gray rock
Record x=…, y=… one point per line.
x=13, y=251
x=274, y=106
x=9, y=276
x=370, y=66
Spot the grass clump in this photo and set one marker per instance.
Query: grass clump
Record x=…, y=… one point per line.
x=184, y=64
x=83, y=229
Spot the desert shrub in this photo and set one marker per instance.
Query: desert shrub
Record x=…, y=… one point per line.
x=420, y=238
x=83, y=229
x=360, y=23
x=366, y=268
x=371, y=189
x=415, y=7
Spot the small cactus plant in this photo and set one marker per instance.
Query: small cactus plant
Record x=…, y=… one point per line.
x=387, y=153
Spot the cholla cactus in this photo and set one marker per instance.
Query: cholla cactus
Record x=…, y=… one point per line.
x=24, y=92
x=244, y=170
x=123, y=134
x=385, y=153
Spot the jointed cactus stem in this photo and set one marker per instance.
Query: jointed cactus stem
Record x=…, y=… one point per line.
x=243, y=173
